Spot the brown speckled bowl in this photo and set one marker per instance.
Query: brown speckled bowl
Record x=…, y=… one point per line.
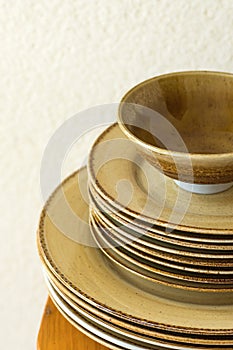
x=182, y=123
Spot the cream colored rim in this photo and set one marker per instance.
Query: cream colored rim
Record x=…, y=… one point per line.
x=110, y=318
x=207, y=316
x=221, y=223
x=136, y=246
x=118, y=331
x=117, y=216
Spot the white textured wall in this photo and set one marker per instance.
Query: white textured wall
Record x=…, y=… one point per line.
x=58, y=57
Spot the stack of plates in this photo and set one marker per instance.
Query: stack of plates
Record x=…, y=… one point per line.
x=127, y=265
x=174, y=238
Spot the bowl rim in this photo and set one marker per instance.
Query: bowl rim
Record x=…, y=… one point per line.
x=156, y=149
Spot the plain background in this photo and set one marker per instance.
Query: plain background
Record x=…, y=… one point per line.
x=57, y=58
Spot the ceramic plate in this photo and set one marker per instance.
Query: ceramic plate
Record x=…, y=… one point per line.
x=135, y=246
x=132, y=327
x=83, y=326
x=172, y=246
x=158, y=240
x=62, y=300
x=137, y=225
x=132, y=263
x=138, y=189
x=84, y=271
x=214, y=261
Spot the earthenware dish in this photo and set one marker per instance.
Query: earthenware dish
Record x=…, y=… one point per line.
x=85, y=327
x=139, y=190
x=182, y=124
x=188, y=261
x=84, y=271
x=126, y=258
x=74, y=301
x=149, y=252
x=68, y=305
x=151, y=240
x=141, y=229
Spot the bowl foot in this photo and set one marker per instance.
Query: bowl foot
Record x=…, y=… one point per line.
x=203, y=189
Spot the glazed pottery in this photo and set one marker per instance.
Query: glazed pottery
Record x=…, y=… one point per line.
x=84, y=270
x=182, y=124
x=139, y=190
x=142, y=229
x=136, y=253
x=89, y=321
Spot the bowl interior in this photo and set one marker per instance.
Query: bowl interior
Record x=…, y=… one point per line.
x=184, y=112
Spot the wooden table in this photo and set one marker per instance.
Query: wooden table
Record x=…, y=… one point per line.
x=56, y=333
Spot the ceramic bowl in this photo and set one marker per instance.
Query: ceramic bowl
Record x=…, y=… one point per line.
x=133, y=187
x=182, y=123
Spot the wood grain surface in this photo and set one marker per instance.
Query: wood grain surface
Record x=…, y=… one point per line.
x=56, y=333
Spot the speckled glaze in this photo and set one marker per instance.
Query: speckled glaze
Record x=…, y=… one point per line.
x=199, y=105
x=152, y=339
x=141, y=230
x=150, y=240
x=154, y=269
x=76, y=303
x=146, y=195
x=84, y=271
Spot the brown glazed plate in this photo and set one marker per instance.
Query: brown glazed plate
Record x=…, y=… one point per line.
x=85, y=272
x=152, y=240
x=135, y=246
x=121, y=333
x=137, y=189
x=127, y=258
x=121, y=219
x=77, y=303
x=186, y=260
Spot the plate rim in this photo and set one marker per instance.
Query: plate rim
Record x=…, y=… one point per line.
x=45, y=254
x=101, y=190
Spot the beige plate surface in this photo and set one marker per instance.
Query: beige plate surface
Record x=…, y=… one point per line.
x=135, y=246
x=84, y=330
x=217, y=252
x=126, y=260
x=86, y=273
x=174, y=256
x=181, y=342
x=136, y=188
x=152, y=231
x=132, y=327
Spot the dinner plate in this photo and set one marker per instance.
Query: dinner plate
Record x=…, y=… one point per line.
x=137, y=232
x=205, y=251
x=83, y=326
x=156, y=273
x=135, y=246
x=162, y=339
x=132, y=327
x=83, y=270
x=138, y=189
x=96, y=333
x=148, y=230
